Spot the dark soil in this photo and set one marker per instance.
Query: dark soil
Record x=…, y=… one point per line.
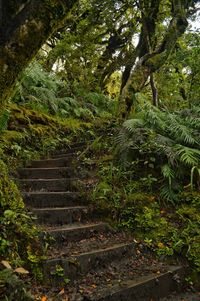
x=95, y=242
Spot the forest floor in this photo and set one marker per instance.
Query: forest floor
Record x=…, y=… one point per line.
x=185, y=296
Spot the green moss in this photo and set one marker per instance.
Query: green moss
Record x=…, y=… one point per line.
x=10, y=136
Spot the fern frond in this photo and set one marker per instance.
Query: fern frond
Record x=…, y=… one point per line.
x=193, y=121
x=179, y=131
x=187, y=155
x=154, y=118
x=168, y=173
x=168, y=194
x=132, y=124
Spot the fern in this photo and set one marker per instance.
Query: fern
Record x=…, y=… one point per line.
x=171, y=138
x=179, y=131
x=187, y=155
x=132, y=124
x=168, y=173
x=4, y=120
x=168, y=194
x=47, y=93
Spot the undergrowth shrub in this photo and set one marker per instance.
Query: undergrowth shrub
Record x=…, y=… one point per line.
x=166, y=146
x=12, y=283
x=47, y=93
x=19, y=242
x=128, y=192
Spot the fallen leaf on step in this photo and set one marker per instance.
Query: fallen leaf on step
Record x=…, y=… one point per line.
x=61, y=292
x=21, y=271
x=6, y=264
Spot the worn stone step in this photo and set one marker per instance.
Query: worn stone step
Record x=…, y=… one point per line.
x=43, y=199
x=76, y=232
x=69, y=152
x=64, y=184
x=63, y=215
x=73, y=149
x=45, y=173
x=97, y=240
x=65, y=155
x=64, y=161
x=188, y=294
x=146, y=288
x=77, y=265
x=77, y=146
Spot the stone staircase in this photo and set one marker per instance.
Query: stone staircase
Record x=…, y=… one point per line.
x=100, y=263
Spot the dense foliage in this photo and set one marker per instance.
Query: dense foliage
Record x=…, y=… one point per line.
x=166, y=145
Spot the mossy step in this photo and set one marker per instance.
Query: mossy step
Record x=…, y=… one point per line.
x=62, y=184
x=150, y=287
x=74, y=147
x=77, y=265
x=69, y=151
x=76, y=232
x=63, y=215
x=45, y=173
x=43, y=199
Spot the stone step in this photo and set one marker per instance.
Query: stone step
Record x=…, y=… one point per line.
x=73, y=152
x=76, y=232
x=78, y=265
x=146, y=288
x=43, y=199
x=45, y=173
x=64, y=161
x=189, y=294
x=65, y=184
x=77, y=146
x=65, y=155
x=73, y=149
x=61, y=216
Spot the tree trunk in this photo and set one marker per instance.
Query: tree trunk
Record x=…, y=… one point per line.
x=151, y=62
x=24, y=29
x=154, y=91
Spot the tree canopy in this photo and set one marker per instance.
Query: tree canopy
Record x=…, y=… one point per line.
x=92, y=40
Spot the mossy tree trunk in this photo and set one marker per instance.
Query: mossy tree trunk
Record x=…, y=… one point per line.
x=25, y=26
x=153, y=57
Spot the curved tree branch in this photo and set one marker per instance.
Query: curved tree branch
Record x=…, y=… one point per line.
x=151, y=62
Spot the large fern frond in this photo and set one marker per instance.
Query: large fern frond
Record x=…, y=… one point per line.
x=180, y=131
x=132, y=124
x=187, y=155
